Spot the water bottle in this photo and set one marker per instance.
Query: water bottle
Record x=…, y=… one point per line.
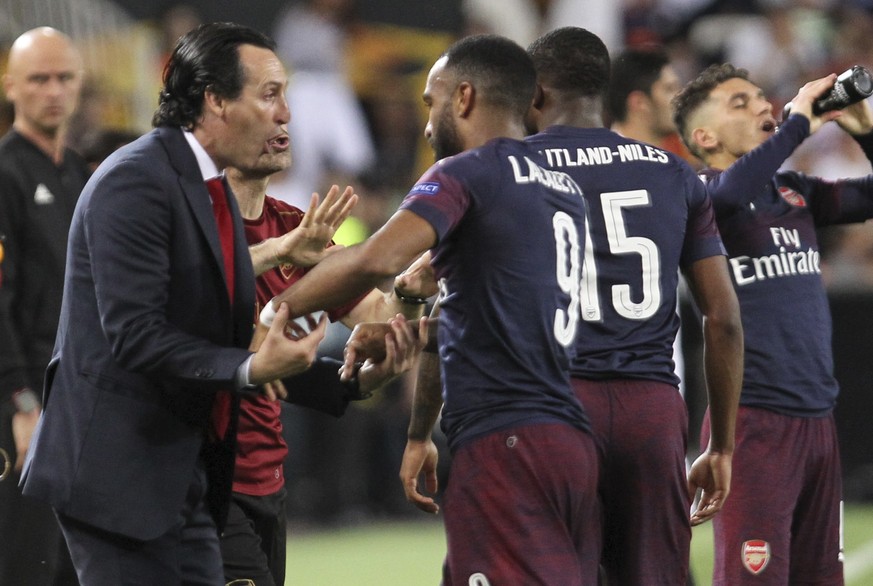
x=851, y=86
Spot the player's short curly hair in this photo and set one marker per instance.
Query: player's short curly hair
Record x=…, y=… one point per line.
x=695, y=93
x=498, y=67
x=206, y=58
x=572, y=60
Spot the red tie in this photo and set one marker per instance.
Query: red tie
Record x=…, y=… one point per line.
x=225, y=227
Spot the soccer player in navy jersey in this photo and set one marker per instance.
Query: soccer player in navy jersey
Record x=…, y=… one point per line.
x=781, y=524
x=507, y=235
x=649, y=217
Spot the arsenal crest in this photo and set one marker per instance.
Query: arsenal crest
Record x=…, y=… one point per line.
x=792, y=197
x=756, y=555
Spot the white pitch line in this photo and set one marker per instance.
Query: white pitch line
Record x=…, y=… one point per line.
x=858, y=562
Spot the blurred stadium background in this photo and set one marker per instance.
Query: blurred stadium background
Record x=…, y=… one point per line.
x=358, y=67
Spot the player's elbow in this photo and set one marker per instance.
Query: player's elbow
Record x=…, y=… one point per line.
x=724, y=322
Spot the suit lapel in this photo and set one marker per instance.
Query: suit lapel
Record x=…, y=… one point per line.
x=194, y=189
x=201, y=205
x=197, y=196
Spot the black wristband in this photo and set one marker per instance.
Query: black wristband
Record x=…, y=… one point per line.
x=409, y=300
x=353, y=386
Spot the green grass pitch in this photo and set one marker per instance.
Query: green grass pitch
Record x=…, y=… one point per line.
x=411, y=553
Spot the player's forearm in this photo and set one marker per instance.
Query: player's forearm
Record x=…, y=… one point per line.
x=335, y=281
x=865, y=141
x=263, y=256
x=723, y=363
x=379, y=306
x=349, y=273
x=427, y=399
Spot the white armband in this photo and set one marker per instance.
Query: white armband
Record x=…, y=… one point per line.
x=267, y=314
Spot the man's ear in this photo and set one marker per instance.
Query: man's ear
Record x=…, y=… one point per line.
x=9, y=87
x=704, y=138
x=539, y=98
x=465, y=99
x=638, y=100
x=213, y=103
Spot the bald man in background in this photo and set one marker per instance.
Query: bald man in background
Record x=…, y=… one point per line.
x=40, y=181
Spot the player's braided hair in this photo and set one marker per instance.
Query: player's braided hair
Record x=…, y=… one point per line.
x=695, y=93
x=206, y=58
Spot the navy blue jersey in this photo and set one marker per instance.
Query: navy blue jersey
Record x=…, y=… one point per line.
x=508, y=258
x=649, y=216
x=768, y=220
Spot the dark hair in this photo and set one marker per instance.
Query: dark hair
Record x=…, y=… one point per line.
x=634, y=70
x=206, y=57
x=696, y=92
x=98, y=144
x=572, y=60
x=499, y=68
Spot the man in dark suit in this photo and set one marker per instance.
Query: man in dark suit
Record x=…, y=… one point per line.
x=155, y=323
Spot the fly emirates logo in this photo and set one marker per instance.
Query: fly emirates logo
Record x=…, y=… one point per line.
x=789, y=261
x=527, y=171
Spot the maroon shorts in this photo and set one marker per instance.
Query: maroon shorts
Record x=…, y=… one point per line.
x=521, y=508
x=640, y=430
x=781, y=521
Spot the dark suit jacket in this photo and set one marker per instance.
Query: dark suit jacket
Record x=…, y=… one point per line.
x=319, y=388
x=146, y=338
